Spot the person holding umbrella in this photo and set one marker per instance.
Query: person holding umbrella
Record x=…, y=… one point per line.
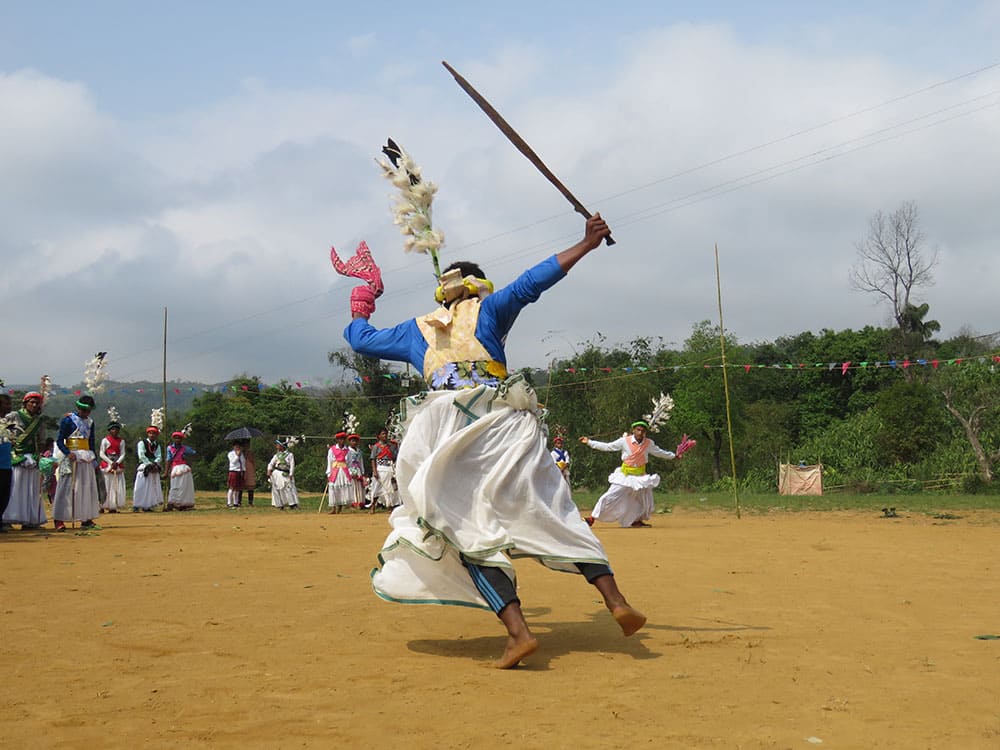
x=249, y=473
x=243, y=435
x=234, y=479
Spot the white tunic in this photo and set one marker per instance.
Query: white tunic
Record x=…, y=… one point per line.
x=114, y=476
x=26, y=506
x=76, y=481
x=283, y=491
x=147, y=492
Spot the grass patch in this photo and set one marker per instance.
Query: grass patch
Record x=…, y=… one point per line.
x=928, y=503
x=585, y=499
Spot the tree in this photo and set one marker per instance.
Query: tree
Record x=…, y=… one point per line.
x=701, y=396
x=971, y=395
x=892, y=263
x=911, y=423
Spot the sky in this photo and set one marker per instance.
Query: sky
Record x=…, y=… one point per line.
x=201, y=158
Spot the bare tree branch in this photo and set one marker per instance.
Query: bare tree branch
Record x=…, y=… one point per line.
x=891, y=260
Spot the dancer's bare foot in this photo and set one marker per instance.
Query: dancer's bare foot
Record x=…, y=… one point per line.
x=629, y=619
x=517, y=649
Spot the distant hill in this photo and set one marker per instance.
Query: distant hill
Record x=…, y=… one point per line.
x=134, y=401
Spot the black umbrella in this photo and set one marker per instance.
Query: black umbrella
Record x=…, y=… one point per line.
x=244, y=433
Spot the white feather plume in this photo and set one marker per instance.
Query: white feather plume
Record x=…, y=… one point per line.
x=412, y=209
x=662, y=407
x=93, y=373
x=350, y=423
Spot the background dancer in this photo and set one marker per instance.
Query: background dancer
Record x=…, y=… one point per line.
x=629, y=499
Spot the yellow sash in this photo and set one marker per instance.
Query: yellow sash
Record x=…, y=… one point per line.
x=78, y=444
x=633, y=471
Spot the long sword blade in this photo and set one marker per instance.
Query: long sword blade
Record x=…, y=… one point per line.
x=520, y=144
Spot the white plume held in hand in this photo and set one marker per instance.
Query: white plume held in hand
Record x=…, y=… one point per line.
x=412, y=209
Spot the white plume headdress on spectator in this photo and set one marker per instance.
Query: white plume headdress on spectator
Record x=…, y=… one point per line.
x=350, y=423
x=45, y=387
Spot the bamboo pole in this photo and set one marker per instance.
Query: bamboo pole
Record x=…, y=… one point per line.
x=725, y=383
x=165, y=474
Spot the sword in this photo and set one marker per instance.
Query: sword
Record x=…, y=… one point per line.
x=520, y=144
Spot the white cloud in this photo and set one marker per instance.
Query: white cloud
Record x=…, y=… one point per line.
x=227, y=211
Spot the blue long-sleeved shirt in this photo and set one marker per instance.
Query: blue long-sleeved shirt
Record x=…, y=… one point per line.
x=497, y=313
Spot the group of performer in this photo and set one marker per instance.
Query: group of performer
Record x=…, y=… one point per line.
x=347, y=484
x=88, y=475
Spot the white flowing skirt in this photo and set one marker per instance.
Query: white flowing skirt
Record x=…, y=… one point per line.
x=628, y=499
x=476, y=480
x=76, y=489
x=181, y=487
x=147, y=492
x=283, y=492
x=26, y=507
x=382, y=487
x=114, y=484
x=341, y=489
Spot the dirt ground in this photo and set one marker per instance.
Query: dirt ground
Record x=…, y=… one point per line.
x=259, y=629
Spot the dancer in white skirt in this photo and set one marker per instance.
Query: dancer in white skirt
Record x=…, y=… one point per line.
x=281, y=475
x=181, y=494
x=148, y=491
x=112, y=455
x=479, y=487
x=76, y=477
x=629, y=499
x=26, y=506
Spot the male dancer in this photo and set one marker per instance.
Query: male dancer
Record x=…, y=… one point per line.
x=478, y=485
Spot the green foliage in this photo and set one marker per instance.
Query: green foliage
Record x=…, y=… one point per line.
x=845, y=448
x=912, y=420
x=876, y=429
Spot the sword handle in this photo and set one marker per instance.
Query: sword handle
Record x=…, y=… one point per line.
x=608, y=239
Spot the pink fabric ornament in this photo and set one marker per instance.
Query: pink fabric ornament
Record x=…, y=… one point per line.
x=361, y=266
x=685, y=445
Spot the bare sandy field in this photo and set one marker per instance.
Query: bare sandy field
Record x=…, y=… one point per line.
x=259, y=630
